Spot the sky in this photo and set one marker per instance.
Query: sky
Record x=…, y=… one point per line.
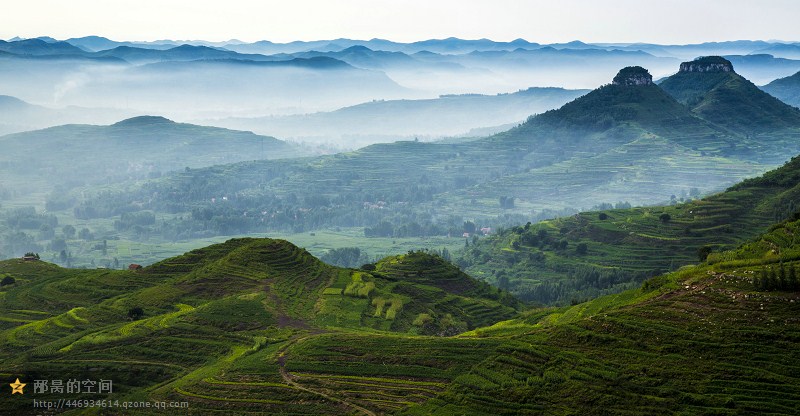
x=664, y=22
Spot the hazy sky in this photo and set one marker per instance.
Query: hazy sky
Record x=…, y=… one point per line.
x=666, y=21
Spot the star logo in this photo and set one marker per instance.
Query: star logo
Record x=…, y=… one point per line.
x=17, y=387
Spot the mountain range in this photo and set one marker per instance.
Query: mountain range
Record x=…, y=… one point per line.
x=97, y=72
x=450, y=45
x=685, y=304
x=626, y=141
x=392, y=120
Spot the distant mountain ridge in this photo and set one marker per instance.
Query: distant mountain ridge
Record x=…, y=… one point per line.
x=714, y=91
x=389, y=120
x=625, y=141
x=786, y=89
x=138, y=147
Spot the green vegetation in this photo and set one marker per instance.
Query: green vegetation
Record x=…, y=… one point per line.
x=630, y=143
x=259, y=326
x=786, y=89
x=729, y=100
x=626, y=246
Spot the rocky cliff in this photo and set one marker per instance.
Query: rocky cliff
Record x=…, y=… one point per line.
x=632, y=76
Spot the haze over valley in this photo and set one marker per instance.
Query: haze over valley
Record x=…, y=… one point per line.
x=322, y=222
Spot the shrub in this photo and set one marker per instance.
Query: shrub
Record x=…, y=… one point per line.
x=422, y=319
x=135, y=313
x=703, y=252
x=397, y=306
x=378, y=303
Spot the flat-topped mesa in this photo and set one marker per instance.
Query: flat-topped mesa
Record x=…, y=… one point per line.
x=708, y=64
x=633, y=76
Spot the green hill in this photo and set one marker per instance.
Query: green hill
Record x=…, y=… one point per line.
x=615, y=114
x=136, y=148
x=259, y=326
x=172, y=319
x=706, y=340
x=619, y=142
x=593, y=253
x=786, y=89
x=711, y=88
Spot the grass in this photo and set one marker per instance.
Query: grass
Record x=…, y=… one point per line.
x=627, y=246
x=251, y=326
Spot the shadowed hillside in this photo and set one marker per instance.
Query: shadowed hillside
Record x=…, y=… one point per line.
x=260, y=326
x=591, y=253
x=711, y=88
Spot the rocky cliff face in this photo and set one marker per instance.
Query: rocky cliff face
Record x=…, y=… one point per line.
x=708, y=64
x=632, y=76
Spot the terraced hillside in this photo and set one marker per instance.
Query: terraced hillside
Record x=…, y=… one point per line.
x=178, y=325
x=706, y=340
x=592, y=253
x=227, y=330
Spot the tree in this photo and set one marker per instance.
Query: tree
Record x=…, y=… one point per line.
x=135, y=313
x=46, y=232
x=703, y=252
x=507, y=202
x=603, y=216
x=8, y=280
x=85, y=234
x=541, y=234
x=69, y=231
x=773, y=280
x=783, y=283
x=762, y=281
x=469, y=227
x=665, y=218
x=58, y=244
x=63, y=256
x=502, y=280
x=581, y=248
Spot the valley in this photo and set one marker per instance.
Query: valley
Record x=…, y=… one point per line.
x=438, y=226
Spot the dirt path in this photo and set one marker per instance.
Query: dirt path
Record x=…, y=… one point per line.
x=288, y=379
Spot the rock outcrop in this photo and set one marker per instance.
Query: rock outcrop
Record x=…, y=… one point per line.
x=633, y=76
x=708, y=64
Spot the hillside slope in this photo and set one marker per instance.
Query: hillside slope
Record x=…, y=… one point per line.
x=134, y=148
x=786, y=89
x=234, y=328
x=388, y=120
x=711, y=339
x=630, y=141
x=592, y=253
x=715, y=92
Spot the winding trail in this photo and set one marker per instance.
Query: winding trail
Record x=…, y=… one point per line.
x=288, y=378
